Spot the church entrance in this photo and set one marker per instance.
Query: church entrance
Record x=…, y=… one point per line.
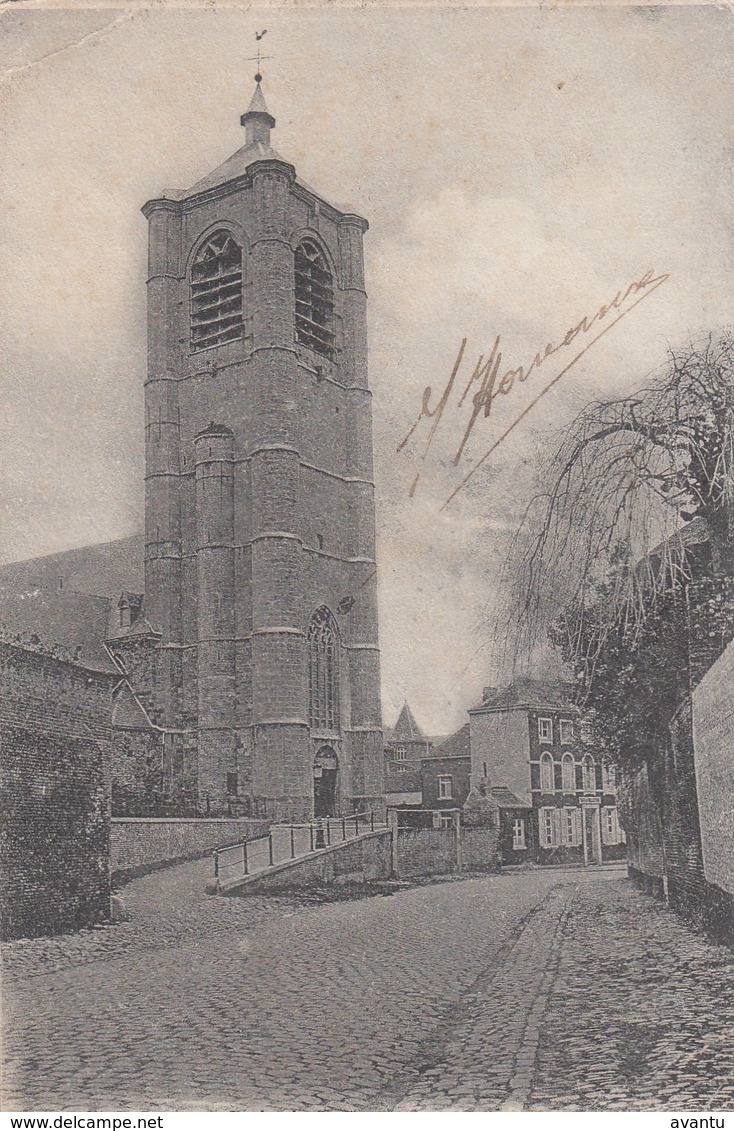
x=325, y=769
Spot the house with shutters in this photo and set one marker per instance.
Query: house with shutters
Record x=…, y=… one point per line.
x=526, y=738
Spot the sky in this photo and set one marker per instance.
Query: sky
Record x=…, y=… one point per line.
x=518, y=167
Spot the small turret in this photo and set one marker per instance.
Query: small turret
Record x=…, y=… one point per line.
x=257, y=119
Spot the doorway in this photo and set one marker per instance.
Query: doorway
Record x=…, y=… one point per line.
x=592, y=834
x=325, y=769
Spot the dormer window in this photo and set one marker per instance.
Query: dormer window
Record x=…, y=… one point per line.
x=216, y=292
x=314, y=300
x=129, y=607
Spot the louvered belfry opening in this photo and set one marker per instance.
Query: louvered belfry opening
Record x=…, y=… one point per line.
x=216, y=292
x=314, y=300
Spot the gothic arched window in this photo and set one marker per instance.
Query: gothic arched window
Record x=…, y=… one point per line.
x=216, y=292
x=547, y=784
x=323, y=671
x=314, y=299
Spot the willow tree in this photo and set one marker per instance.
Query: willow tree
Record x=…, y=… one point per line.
x=637, y=496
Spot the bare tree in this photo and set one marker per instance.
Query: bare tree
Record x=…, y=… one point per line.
x=610, y=531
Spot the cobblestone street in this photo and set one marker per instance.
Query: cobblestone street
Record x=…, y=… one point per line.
x=542, y=989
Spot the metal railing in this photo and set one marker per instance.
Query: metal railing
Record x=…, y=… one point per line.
x=289, y=842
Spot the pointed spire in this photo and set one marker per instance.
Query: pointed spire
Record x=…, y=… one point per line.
x=257, y=120
x=406, y=728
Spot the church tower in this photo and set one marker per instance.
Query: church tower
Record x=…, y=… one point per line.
x=260, y=582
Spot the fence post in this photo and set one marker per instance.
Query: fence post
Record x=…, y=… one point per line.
x=244, y=855
x=270, y=849
x=356, y=824
x=459, y=853
x=293, y=844
x=216, y=868
x=344, y=828
x=328, y=830
x=392, y=819
x=310, y=829
x=372, y=820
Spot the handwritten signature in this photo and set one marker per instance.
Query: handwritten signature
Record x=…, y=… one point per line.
x=485, y=376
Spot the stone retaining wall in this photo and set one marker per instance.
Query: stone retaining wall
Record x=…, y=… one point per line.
x=426, y=852
x=142, y=844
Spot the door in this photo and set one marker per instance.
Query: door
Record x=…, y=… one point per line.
x=592, y=835
x=325, y=770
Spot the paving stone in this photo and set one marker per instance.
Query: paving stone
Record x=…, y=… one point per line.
x=546, y=990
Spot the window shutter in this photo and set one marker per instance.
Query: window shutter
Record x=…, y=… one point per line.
x=577, y=830
x=605, y=826
x=557, y=826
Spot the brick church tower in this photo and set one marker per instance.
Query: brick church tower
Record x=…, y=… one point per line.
x=260, y=586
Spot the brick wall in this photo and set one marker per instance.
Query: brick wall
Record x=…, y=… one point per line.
x=640, y=817
x=457, y=769
x=54, y=794
x=137, y=772
x=480, y=849
x=141, y=844
x=426, y=852
x=713, y=727
x=367, y=859
x=684, y=799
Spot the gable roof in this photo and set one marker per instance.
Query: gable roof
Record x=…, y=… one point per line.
x=406, y=729
x=506, y=799
x=72, y=626
x=456, y=745
x=525, y=692
x=105, y=569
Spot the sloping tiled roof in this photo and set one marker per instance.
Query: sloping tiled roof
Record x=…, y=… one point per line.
x=525, y=692
x=72, y=626
x=106, y=570
x=506, y=799
x=235, y=166
x=238, y=164
x=457, y=745
x=140, y=627
x=406, y=729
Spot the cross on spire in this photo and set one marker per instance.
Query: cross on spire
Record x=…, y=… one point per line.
x=259, y=57
x=257, y=120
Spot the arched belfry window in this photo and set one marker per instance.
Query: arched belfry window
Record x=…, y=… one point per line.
x=314, y=299
x=323, y=671
x=216, y=292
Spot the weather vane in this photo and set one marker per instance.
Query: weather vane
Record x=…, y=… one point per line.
x=259, y=57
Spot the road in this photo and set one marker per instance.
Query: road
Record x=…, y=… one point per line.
x=537, y=990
